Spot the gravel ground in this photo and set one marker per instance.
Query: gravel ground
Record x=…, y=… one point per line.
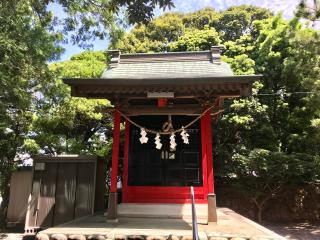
x=297, y=231
x=11, y=236
x=291, y=231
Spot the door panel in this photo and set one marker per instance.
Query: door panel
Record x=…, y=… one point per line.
x=85, y=190
x=46, y=202
x=31, y=219
x=65, y=195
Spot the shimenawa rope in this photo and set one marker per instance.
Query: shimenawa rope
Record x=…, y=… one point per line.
x=169, y=132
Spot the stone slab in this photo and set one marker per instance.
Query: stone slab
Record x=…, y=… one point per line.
x=230, y=225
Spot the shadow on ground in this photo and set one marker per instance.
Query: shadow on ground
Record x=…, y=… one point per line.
x=297, y=231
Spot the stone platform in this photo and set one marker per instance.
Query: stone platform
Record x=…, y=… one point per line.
x=167, y=211
x=230, y=226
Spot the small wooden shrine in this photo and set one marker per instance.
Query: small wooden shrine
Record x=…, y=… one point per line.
x=167, y=101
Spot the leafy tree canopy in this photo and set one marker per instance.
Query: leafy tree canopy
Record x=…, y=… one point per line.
x=65, y=124
x=195, y=40
x=159, y=33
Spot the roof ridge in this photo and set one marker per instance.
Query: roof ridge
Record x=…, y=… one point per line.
x=166, y=57
x=165, y=53
x=212, y=55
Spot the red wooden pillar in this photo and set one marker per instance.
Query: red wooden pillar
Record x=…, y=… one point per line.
x=126, y=163
x=206, y=137
x=210, y=173
x=204, y=161
x=113, y=202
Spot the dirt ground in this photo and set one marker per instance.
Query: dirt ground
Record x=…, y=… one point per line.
x=296, y=231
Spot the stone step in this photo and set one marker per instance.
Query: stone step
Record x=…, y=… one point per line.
x=172, y=211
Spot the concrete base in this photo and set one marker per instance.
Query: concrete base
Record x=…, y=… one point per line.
x=212, y=208
x=166, y=211
x=112, y=213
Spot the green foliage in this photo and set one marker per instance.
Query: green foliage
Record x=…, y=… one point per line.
x=195, y=40
x=138, y=11
x=284, y=145
x=243, y=45
x=31, y=146
x=201, y=19
x=166, y=28
x=310, y=11
x=154, y=36
x=25, y=47
x=236, y=21
x=275, y=168
x=261, y=174
x=73, y=125
x=137, y=41
x=86, y=20
x=86, y=64
x=191, y=31
x=241, y=64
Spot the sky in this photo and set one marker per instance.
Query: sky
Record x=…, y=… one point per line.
x=286, y=7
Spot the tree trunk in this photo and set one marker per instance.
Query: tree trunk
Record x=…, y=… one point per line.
x=259, y=214
x=259, y=209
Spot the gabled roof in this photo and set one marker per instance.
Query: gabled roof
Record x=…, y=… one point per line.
x=167, y=65
x=180, y=72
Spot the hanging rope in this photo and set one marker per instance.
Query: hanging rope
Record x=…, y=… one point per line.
x=170, y=132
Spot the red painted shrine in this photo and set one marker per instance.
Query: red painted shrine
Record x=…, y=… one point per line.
x=156, y=95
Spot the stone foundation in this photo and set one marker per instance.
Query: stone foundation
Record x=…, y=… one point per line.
x=202, y=236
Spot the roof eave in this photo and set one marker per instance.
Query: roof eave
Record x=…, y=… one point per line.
x=162, y=81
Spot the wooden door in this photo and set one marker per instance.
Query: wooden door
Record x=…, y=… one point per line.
x=164, y=175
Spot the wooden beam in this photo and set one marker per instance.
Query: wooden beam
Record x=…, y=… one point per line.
x=140, y=92
x=135, y=111
x=154, y=110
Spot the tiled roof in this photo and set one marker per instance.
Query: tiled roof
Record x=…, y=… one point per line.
x=167, y=65
x=160, y=70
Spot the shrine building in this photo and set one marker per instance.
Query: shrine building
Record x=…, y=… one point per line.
x=167, y=101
